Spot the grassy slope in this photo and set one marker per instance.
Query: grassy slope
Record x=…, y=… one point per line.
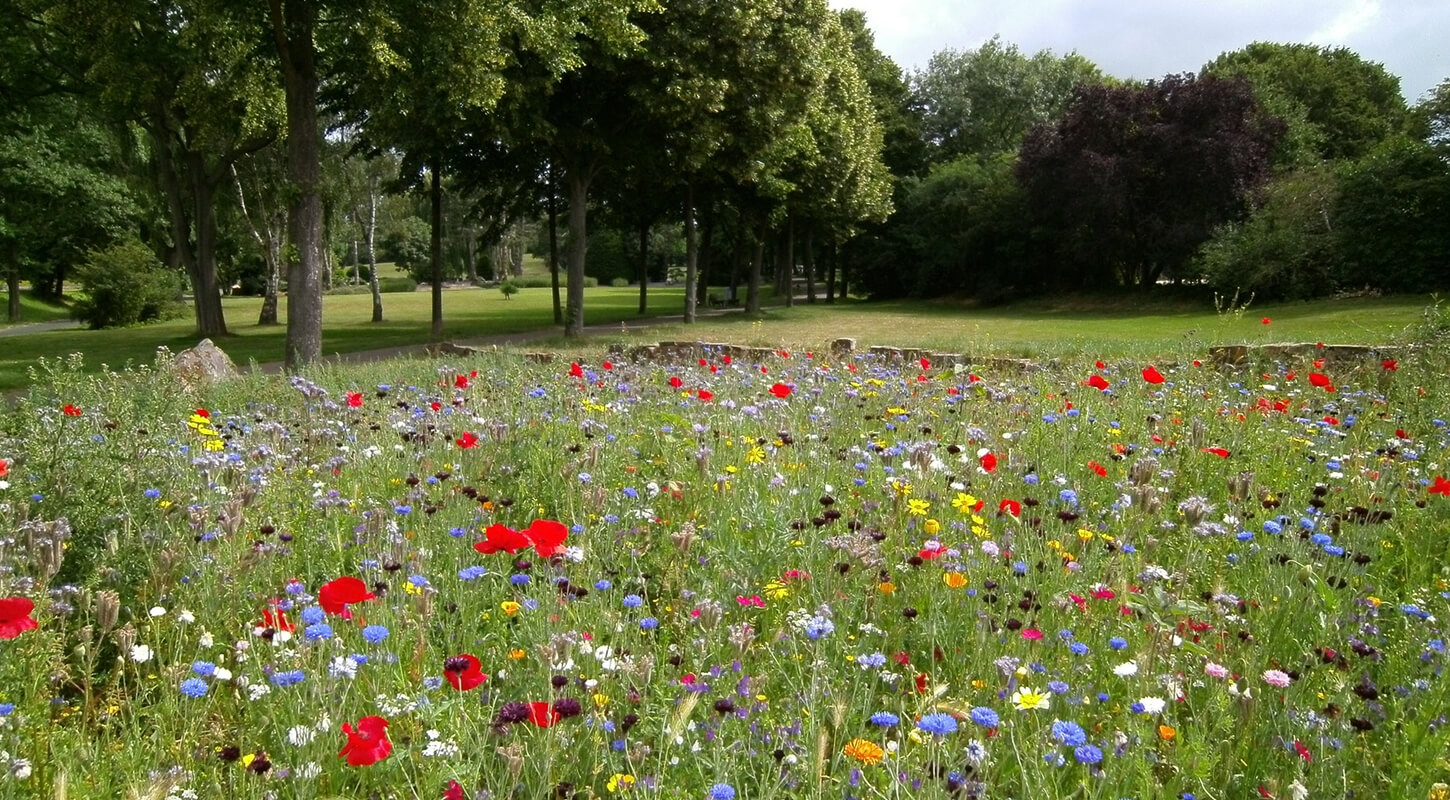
x=1038, y=328
x=35, y=310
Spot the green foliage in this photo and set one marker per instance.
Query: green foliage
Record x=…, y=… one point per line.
x=508, y=289
x=1337, y=104
x=388, y=285
x=619, y=283
x=1430, y=118
x=1286, y=248
x=125, y=284
x=982, y=102
x=544, y=281
x=1391, y=218
x=408, y=245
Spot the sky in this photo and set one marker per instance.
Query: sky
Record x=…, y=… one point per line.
x=1151, y=38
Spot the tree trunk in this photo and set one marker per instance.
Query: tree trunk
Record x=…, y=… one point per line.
x=643, y=270
x=692, y=255
x=554, y=246
x=435, y=256
x=832, y=253
x=468, y=262
x=516, y=249
x=356, y=266
x=371, y=233
x=268, y=315
x=210, y=322
x=292, y=29
x=788, y=268
x=752, y=289
x=811, y=265
x=183, y=254
x=578, y=248
x=271, y=245
x=12, y=278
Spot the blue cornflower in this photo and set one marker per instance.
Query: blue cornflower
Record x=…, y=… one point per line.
x=1272, y=527
x=471, y=573
x=313, y=615
x=1078, y=649
x=1087, y=754
x=871, y=661
x=884, y=719
x=602, y=585
x=1415, y=611
x=985, y=717
x=319, y=631
x=6, y=709
x=633, y=601
x=1117, y=643
x=403, y=509
x=818, y=627
x=287, y=678
x=1057, y=687
x=519, y=579
x=203, y=668
x=193, y=687
x=1069, y=733
x=432, y=683
x=374, y=633
x=418, y=580
x=152, y=494
x=938, y=724
x=457, y=532
x=648, y=624
x=722, y=791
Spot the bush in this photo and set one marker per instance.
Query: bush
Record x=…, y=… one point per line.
x=508, y=289
x=1390, y=219
x=125, y=284
x=619, y=283
x=1285, y=249
x=385, y=286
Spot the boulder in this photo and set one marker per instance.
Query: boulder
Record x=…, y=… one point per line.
x=206, y=363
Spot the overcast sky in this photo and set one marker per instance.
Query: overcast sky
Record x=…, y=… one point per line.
x=1151, y=38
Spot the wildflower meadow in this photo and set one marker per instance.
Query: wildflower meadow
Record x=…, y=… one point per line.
x=806, y=576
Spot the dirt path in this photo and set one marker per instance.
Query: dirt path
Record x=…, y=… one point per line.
x=39, y=327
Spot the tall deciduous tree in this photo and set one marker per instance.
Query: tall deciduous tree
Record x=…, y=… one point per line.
x=1337, y=104
x=983, y=101
x=1133, y=179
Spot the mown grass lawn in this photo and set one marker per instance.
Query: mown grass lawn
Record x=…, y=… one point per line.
x=467, y=313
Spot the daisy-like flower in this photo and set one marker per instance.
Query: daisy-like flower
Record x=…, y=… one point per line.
x=1277, y=678
x=1152, y=705
x=1213, y=670
x=1028, y=699
x=1126, y=669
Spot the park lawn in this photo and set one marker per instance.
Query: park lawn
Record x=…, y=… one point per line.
x=33, y=309
x=467, y=314
x=1053, y=329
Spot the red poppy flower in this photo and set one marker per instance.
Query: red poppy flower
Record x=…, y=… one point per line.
x=1098, y=382
x=15, y=617
x=675, y=382
x=575, y=370
x=1303, y=751
x=728, y=360
x=542, y=714
x=4, y=468
x=1390, y=365
x=467, y=440
x=435, y=405
x=71, y=410
x=932, y=553
x=780, y=390
x=1218, y=451
x=460, y=381
x=499, y=537
x=921, y=682
x=1265, y=320
x=608, y=365
x=336, y=596
x=367, y=743
x=201, y=412
x=1441, y=486
x=276, y=619
x=1031, y=634
x=547, y=536
x=354, y=399
x=988, y=462
x=925, y=364
x=1152, y=375
x=463, y=673
x=1100, y=365
x=1320, y=380
x=1101, y=470
x=1011, y=507
x=706, y=395
x=454, y=791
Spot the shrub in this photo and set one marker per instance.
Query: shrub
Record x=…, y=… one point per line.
x=125, y=284
x=543, y=281
x=508, y=289
x=619, y=283
x=1285, y=249
x=385, y=286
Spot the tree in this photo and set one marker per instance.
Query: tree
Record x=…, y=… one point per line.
x=1390, y=218
x=1286, y=248
x=193, y=76
x=1132, y=179
x=1337, y=104
x=1430, y=119
x=984, y=101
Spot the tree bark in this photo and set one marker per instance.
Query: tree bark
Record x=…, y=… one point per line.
x=271, y=245
x=578, y=248
x=752, y=289
x=371, y=233
x=210, y=322
x=692, y=255
x=292, y=29
x=554, y=246
x=356, y=265
x=810, y=265
x=643, y=270
x=435, y=223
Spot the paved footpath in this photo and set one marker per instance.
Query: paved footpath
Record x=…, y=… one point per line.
x=39, y=327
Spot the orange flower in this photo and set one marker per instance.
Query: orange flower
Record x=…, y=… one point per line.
x=954, y=580
x=1166, y=733
x=864, y=751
